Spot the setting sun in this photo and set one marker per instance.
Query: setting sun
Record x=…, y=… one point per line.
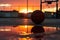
x=24, y=10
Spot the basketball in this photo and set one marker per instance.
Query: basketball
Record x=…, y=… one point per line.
x=37, y=17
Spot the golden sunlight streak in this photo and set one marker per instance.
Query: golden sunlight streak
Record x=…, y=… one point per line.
x=24, y=10
x=50, y=9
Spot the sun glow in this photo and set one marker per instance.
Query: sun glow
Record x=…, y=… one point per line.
x=50, y=9
x=26, y=26
x=24, y=10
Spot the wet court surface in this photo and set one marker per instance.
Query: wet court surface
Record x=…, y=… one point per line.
x=18, y=21
x=20, y=29
x=20, y=33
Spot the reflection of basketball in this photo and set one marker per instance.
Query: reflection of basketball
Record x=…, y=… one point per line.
x=37, y=17
x=38, y=29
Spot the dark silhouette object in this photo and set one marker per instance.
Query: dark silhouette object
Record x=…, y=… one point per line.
x=38, y=29
x=37, y=17
x=49, y=2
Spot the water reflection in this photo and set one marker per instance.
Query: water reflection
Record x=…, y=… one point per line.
x=39, y=31
x=24, y=28
x=25, y=21
x=10, y=32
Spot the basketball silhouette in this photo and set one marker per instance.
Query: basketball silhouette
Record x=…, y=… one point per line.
x=37, y=17
x=38, y=29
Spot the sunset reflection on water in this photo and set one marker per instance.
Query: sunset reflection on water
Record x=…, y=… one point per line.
x=22, y=30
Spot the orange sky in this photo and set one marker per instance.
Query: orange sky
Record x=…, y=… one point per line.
x=22, y=4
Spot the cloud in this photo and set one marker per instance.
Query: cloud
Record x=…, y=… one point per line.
x=12, y=1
